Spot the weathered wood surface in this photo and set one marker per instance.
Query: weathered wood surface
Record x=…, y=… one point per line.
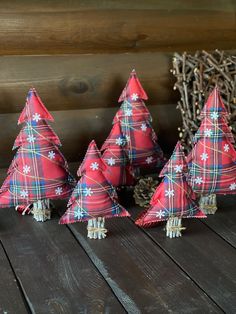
x=83, y=81
x=204, y=256
x=224, y=221
x=76, y=128
x=133, y=258
x=77, y=28
x=54, y=271
x=143, y=270
x=74, y=5
x=11, y=300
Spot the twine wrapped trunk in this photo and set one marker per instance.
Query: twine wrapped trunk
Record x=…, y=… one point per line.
x=41, y=210
x=96, y=228
x=208, y=204
x=195, y=76
x=174, y=227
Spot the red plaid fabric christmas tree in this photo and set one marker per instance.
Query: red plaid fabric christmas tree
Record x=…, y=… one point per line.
x=118, y=171
x=93, y=199
x=173, y=198
x=212, y=161
x=39, y=171
x=135, y=120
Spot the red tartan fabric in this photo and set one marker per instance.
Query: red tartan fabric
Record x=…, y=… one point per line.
x=212, y=161
x=38, y=170
x=41, y=131
x=92, y=160
x=34, y=109
x=214, y=129
x=93, y=196
x=37, y=176
x=214, y=105
x=118, y=171
x=173, y=197
x=133, y=87
x=135, y=121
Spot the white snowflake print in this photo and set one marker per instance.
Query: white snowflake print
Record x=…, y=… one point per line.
x=143, y=127
x=128, y=112
x=178, y=168
x=198, y=180
x=58, y=191
x=208, y=132
x=94, y=166
x=134, y=96
x=51, y=154
x=26, y=169
x=226, y=147
x=24, y=193
x=149, y=160
x=36, y=117
x=214, y=115
x=119, y=141
x=111, y=161
x=31, y=138
x=204, y=156
x=232, y=186
x=160, y=214
x=127, y=138
x=79, y=214
x=169, y=193
x=88, y=192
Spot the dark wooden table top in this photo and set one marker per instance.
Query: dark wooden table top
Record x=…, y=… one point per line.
x=48, y=268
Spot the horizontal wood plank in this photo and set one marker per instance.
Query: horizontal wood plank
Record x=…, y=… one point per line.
x=76, y=128
x=83, y=81
x=11, y=300
x=123, y=30
x=75, y=5
x=127, y=256
x=54, y=271
x=204, y=256
x=223, y=222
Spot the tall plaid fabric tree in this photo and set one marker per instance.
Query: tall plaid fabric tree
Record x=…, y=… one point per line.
x=173, y=198
x=141, y=141
x=118, y=171
x=93, y=199
x=212, y=161
x=38, y=172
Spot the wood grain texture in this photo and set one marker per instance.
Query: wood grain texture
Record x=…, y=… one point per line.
x=54, y=271
x=11, y=300
x=204, y=256
x=81, y=30
x=75, y=5
x=223, y=222
x=142, y=277
x=83, y=81
x=76, y=128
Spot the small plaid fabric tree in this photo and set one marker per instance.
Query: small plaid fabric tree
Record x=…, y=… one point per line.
x=39, y=171
x=173, y=198
x=93, y=199
x=212, y=161
x=118, y=171
x=141, y=141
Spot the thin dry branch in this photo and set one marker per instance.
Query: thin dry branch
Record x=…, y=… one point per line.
x=196, y=76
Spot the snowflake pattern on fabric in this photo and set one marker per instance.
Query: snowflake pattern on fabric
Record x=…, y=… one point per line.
x=38, y=171
x=93, y=196
x=174, y=196
x=212, y=161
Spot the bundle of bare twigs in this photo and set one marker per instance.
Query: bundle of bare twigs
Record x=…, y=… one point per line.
x=196, y=76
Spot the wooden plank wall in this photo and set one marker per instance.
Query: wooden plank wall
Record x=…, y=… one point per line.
x=78, y=55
